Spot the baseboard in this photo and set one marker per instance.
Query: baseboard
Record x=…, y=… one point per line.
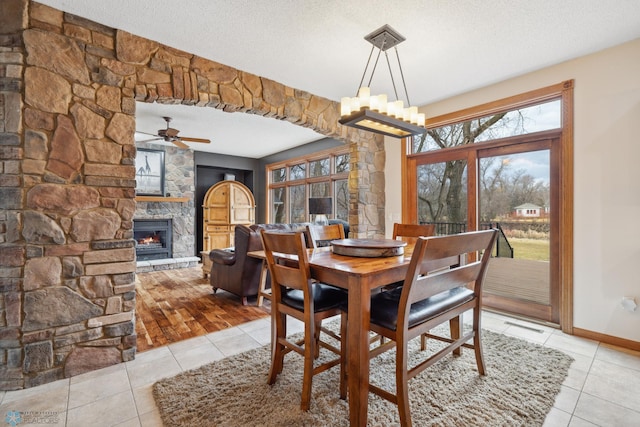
x=607, y=339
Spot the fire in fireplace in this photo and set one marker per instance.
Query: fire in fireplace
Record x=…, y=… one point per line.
x=150, y=242
x=153, y=238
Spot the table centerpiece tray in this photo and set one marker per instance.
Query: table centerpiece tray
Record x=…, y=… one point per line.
x=368, y=248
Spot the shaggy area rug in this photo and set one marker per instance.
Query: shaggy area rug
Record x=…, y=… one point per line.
x=519, y=389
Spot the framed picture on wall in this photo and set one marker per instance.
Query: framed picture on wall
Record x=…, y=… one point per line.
x=149, y=172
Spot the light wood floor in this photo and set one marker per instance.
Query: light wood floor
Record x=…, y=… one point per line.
x=173, y=305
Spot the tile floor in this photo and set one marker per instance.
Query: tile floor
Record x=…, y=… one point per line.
x=601, y=389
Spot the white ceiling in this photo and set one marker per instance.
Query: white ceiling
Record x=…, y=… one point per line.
x=234, y=134
x=318, y=46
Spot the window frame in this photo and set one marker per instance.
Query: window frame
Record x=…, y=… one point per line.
x=307, y=181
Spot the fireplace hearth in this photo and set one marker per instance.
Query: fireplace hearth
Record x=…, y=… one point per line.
x=153, y=238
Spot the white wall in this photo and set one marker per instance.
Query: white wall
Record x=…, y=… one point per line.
x=392, y=184
x=606, y=174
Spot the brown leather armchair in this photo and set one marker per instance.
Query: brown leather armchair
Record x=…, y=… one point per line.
x=235, y=271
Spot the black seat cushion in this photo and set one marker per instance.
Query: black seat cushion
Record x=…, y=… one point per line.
x=325, y=297
x=384, y=306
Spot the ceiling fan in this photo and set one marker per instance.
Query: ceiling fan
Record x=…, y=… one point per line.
x=171, y=135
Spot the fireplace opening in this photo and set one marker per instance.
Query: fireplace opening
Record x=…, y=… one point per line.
x=153, y=238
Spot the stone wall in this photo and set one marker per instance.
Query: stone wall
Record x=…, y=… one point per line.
x=68, y=88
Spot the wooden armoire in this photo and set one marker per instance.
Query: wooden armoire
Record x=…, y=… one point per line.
x=226, y=204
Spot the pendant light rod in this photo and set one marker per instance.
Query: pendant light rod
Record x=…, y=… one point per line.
x=402, y=76
x=375, y=65
x=393, y=82
x=365, y=69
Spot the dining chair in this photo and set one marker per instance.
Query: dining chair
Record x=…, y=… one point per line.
x=440, y=286
x=294, y=293
x=409, y=232
x=318, y=234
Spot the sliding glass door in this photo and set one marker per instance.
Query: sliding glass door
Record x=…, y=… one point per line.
x=506, y=164
x=516, y=189
x=508, y=184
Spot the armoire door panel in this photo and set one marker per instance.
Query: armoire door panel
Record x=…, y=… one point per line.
x=226, y=204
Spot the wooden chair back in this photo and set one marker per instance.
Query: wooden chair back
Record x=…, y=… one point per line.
x=439, y=264
x=410, y=232
x=288, y=262
x=324, y=233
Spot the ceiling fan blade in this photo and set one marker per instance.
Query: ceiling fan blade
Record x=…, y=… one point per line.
x=147, y=133
x=204, y=141
x=179, y=143
x=152, y=139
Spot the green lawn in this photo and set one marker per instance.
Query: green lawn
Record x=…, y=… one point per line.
x=530, y=249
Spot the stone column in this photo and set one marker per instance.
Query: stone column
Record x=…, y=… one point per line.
x=13, y=250
x=366, y=186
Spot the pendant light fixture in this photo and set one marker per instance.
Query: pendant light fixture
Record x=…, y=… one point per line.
x=375, y=113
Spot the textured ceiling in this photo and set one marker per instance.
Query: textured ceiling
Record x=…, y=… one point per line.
x=318, y=46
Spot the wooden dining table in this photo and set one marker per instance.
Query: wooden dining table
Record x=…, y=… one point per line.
x=360, y=276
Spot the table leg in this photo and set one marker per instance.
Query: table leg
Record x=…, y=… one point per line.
x=358, y=350
x=262, y=292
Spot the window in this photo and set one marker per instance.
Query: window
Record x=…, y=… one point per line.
x=342, y=163
x=297, y=171
x=278, y=198
x=297, y=203
x=319, y=167
x=292, y=183
x=320, y=189
x=341, y=200
x=279, y=175
x=520, y=121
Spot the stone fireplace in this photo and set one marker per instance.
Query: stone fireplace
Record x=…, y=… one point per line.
x=176, y=214
x=153, y=238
